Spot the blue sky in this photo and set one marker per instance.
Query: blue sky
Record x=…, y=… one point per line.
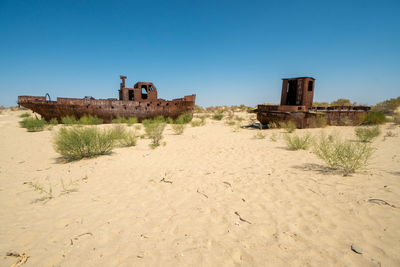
x=226, y=52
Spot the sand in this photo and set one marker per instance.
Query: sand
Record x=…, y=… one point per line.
x=227, y=199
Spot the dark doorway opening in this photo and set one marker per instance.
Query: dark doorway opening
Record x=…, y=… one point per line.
x=144, y=92
x=131, y=95
x=291, y=92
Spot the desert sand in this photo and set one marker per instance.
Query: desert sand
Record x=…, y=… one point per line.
x=227, y=199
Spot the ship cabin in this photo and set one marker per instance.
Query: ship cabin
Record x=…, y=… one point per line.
x=297, y=94
x=141, y=91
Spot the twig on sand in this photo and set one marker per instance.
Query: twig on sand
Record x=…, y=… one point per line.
x=76, y=237
x=22, y=258
x=240, y=218
x=165, y=181
x=227, y=183
x=202, y=193
x=380, y=202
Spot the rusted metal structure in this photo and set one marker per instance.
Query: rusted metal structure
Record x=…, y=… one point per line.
x=141, y=102
x=297, y=106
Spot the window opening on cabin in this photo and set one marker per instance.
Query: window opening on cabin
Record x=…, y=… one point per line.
x=310, y=85
x=144, y=91
x=151, y=88
x=131, y=95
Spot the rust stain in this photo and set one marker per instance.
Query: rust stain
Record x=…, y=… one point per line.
x=141, y=102
x=296, y=105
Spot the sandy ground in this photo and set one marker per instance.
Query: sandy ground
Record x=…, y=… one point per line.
x=294, y=211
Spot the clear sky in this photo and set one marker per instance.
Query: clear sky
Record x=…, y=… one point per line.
x=226, y=52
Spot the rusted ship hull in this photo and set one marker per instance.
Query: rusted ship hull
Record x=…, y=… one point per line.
x=296, y=105
x=107, y=109
x=312, y=118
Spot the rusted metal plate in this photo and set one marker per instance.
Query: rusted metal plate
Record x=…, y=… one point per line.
x=141, y=102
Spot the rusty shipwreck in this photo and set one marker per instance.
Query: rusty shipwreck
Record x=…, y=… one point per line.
x=297, y=106
x=141, y=102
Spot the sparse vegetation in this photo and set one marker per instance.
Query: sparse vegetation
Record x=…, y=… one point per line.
x=230, y=123
x=83, y=142
x=53, y=121
x=259, y=135
x=218, y=116
x=69, y=120
x=90, y=120
x=296, y=142
x=33, y=124
x=178, y=128
x=197, y=123
x=273, y=137
x=118, y=132
x=47, y=194
x=119, y=119
x=129, y=139
x=342, y=102
x=25, y=115
x=345, y=156
x=366, y=134
x=374, y=117
x=131, y=120
x=70, y=187
x=289, y=126
x=388, y=106
x=154, y=130
x=183, y=119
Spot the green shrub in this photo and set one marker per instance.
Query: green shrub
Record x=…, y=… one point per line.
x=69, y=120
x=53, y=121
x=32, y=124
x=90, y=120
x=374, y=117
x=132, y=120
x=289, y=126
x=178, y=128
x=83, y=142
x=197, y=123
x=129, y=139
x=154, y=130
x=25, y=115
x=118, y=132
x=295, y=142
x=230, y=123
x=366, y=134
x=183, y=119
x=343, y=155
x=119, y=119
x=218, y=116
x=159, y=118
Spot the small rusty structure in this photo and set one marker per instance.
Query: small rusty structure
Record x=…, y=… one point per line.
x=141, y=102
x=297, y=106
